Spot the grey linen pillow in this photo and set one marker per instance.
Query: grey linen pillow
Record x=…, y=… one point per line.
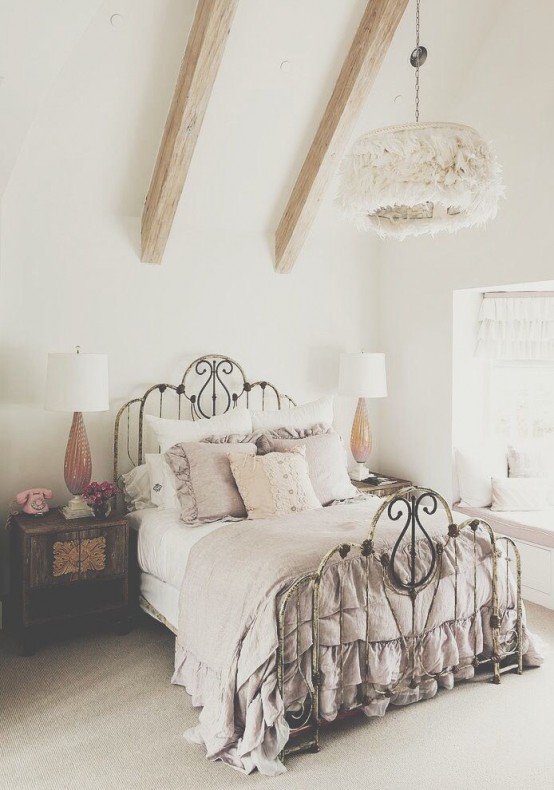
x=325, y=456
x=204, y=483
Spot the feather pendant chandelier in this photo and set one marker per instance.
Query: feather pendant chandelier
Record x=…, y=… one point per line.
x=420, y=177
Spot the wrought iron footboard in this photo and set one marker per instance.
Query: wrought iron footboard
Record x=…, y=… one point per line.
x=409, y=508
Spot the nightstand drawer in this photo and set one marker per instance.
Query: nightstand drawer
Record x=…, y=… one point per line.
x=54, y=558
x=70, y=556
x=79, y=598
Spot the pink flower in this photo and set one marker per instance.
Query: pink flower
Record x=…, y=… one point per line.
x=97, y=493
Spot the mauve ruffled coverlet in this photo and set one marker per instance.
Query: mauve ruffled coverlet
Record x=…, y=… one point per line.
x=227, y=642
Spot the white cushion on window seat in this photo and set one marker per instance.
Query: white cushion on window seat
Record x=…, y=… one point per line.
x=532, y=526
x=533, y=458
x=514, y=494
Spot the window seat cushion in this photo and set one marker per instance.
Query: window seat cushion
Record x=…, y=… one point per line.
x=532, y=526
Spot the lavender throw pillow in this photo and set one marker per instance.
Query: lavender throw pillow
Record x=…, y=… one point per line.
x=204, y=483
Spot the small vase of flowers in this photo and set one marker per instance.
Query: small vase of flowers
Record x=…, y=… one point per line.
x=99, y=497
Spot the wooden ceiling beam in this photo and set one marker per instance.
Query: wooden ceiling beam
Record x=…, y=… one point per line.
x=203, y=55
x=362, y=64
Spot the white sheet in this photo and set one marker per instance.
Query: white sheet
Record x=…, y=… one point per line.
x=164, y=542
x=162, y=597
x=164, y=545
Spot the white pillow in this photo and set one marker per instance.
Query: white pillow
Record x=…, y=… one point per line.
x=163, y=492
x=296, y=417
x=533, y=458
x=476, y=467
x=136, y=488
x=519, y=493
x=170, y=432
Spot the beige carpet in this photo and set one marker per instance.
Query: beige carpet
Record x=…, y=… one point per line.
x=99, y=712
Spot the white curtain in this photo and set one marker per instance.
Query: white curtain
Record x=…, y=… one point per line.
x=519, y=327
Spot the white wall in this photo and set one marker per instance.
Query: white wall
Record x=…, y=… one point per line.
x=70, y=269
x=469, y=372
x=509, y=97
x=221, y=296
x=470, y=377
x=69, y=264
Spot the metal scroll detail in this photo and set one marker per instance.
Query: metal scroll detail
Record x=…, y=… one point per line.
x=216, y=374
x=301, y=669
x=212, y=384
x=410, y=507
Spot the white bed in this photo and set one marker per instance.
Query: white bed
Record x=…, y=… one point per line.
x=164, y=541
x=163, y=547
x=265, y=602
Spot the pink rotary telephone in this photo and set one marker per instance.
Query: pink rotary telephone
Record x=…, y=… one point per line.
x=33, y=501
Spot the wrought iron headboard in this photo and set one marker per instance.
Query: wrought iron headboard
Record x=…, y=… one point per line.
x=212, y=384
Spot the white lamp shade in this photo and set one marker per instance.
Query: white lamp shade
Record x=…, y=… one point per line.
x=363, y=375
x=77, y=382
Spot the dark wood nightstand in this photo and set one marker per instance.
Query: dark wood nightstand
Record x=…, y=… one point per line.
x=67, y=570
x=381, y=485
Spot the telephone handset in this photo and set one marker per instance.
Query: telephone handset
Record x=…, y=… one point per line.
x=33, y=500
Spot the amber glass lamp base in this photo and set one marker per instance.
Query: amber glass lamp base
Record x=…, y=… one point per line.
x=361, y=441
x=77, y=468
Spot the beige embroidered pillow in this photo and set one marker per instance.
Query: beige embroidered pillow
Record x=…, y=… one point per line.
x=274, y=484
x=326, y=461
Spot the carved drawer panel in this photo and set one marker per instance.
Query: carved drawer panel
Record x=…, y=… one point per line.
x=66, y=557
x=76, y=555
x=103, y=552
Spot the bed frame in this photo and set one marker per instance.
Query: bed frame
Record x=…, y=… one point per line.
x=408, y=507
x=213, y=384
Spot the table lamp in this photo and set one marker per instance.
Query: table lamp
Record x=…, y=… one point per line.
x=363, y=376
x=77, y=383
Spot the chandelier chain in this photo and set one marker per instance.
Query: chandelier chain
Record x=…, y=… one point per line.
x=417, y=64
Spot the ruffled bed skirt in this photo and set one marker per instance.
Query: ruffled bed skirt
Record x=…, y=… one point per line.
x=377, y=674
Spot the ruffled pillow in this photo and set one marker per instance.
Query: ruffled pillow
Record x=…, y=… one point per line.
x=205, y=485
x=136, y=488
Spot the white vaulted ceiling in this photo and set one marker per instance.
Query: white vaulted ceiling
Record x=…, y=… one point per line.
x=36, y=40
x=67, y=69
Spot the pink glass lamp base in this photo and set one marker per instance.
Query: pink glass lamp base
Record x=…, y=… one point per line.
x=361, y=441
x=77, y=468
